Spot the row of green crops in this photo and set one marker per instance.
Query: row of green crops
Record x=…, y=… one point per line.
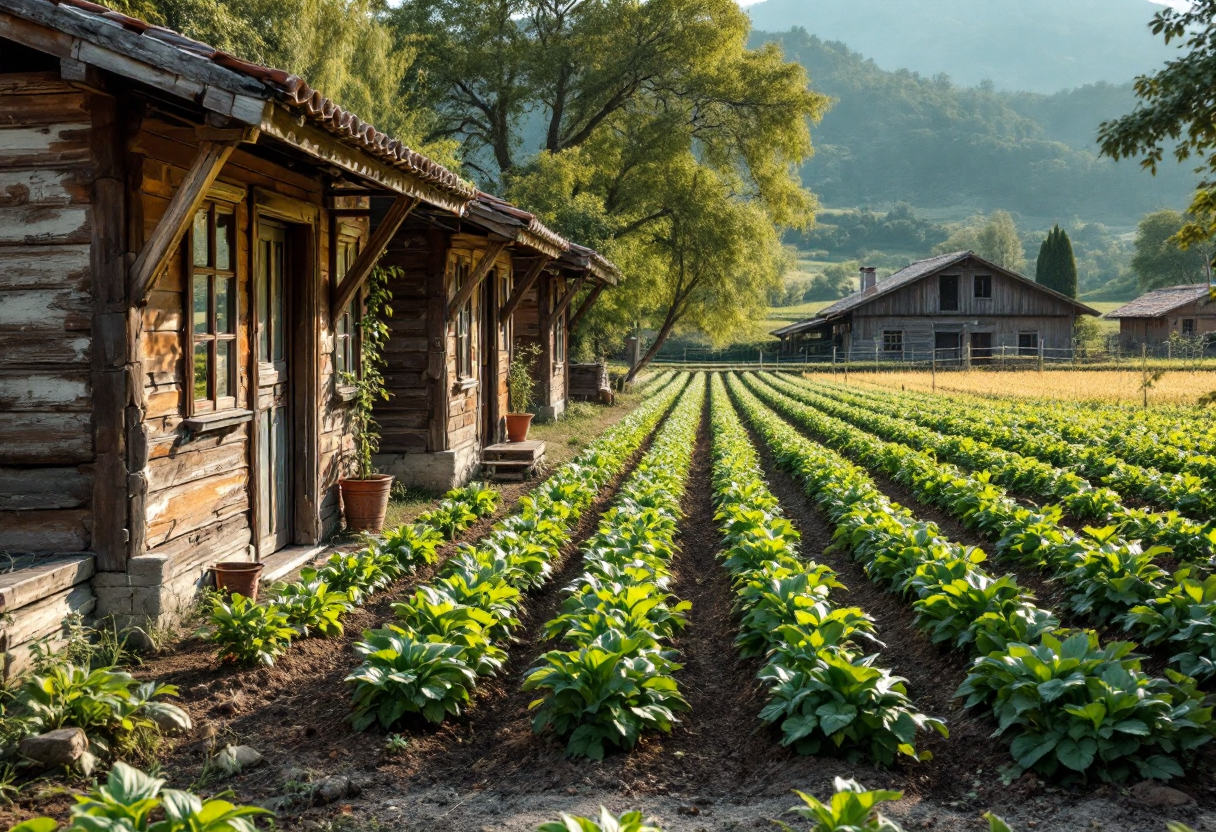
x=1108, y=579
x=1069, y=704
x=1186, y=488
x=246, y=632
x=617, y=679
x=826, y=694
x=1022, y=474
x=450, y=633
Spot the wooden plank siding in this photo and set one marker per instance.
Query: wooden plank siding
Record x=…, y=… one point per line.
x=46, y=304
x=1153, y=331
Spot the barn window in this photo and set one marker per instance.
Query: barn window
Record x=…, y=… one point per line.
x=346, y=328
x=1028, y=343
x=464, y=326
x=559, y=340
x=947, y=286
x=213, y=310
x=1188, y=326
x=983, y=286
x=893, y=341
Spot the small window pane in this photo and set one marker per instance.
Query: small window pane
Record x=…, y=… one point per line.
x=202, y=371
x=202, y=248
x=276, y=305
x=201, y=311
x=223, y=368
x=225, y=297
x=223, y=241
x=264, y=305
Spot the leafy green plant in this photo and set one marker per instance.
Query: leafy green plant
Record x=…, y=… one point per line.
x=449, y=518
x=852, y=808
x=481, y=499
x=112, y=707
x=313, y=607
x=134, y=802
x=521, y=384
x=246, y=632
x=358, y=574
x=607, y=822
x=403, y=674
x=369, y=382
x=395, y=744
x=411, y=544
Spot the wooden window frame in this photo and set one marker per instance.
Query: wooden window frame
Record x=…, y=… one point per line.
x=941, y=293
x=1032, y=351
x=211, y=273
x=888, y=342
x=559, y=341
x=348, y=345
x=987, y=283
x=1188, y=322
x=461, y=270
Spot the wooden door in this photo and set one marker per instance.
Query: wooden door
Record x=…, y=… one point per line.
x=274, y=388
x=981, y=346
x=948, y=345
x=487, y=352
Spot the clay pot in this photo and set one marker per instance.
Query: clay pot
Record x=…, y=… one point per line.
x=240, y=577
x=364, y=502
x=517, y=426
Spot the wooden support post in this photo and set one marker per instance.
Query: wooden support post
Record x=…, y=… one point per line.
x=358, y=272
x=586, y=305
x=185, y=202
x=437, y=339
x=522, y=287
x=562, y=304
x=474, y=280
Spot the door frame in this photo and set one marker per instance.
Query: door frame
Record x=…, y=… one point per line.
x=488, y=352
x=303, y=282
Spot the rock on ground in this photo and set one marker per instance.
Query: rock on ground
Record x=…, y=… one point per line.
x=61, y=747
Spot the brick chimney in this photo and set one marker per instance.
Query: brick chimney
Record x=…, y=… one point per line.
x=868, y=277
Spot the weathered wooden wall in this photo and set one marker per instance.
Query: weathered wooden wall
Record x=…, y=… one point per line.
x=46, y=308
x=1054, y=331
x=1152, y=331
x=1009, y=297
x=405, y=419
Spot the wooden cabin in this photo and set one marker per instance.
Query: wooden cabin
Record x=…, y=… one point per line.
x=184, y=240
x=1153, y=317
x=954, y=306
x=468, y=291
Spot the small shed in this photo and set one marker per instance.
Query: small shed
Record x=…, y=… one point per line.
x=950, y=306
x=1153, y=317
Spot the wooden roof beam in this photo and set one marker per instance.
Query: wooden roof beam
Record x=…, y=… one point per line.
x=185, y=202
x=479, y=273
x=586, y=305
x=564, y=303
x=522, y=288
x=359, y=271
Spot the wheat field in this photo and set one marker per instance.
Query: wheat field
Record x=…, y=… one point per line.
x=1174, y=387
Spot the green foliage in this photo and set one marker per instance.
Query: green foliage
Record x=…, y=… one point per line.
x=1160, y=260
x=313, y=606
x=837, y=281
x=852, y=808
x=401, y=674
x=112, y=707
x=994, y=238
x=411, y=544
x=521, y=380
x=1176, y=109
x=854, y=232
x=369, y=381
x=358, y=574
x=134, y=802
x=607, y=822
x=1056, y=267
x=246, y=632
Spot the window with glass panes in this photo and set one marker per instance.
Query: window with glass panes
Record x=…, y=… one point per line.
x=213, y=310
x=559, y=340
x=464, y=325
x=346, y=328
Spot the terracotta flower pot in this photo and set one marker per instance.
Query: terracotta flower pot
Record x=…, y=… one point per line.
x=240, y=577
x=364, y=502
x=517, y=426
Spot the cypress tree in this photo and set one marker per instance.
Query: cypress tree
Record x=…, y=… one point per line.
x=1057, y=267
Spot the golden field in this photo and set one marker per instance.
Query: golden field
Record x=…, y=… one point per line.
x=1175, y=387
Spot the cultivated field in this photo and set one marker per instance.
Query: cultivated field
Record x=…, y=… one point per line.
x=1181, y=387
x=748, y=584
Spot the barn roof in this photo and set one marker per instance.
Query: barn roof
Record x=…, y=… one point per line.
x=1161, y=301
x=910, y=274
x=219, y=81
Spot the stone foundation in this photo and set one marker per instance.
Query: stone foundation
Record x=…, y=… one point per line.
x=553, y=412
x=436, y=471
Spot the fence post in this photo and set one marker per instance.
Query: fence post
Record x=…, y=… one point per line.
x=761, y=359
x=833, y=359
x=967, y=355
x=1040, y=355
x=875, y=355
x=933, y=368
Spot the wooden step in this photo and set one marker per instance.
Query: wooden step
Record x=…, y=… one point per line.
x=531, y=450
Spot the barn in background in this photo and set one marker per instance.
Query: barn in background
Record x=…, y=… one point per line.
x=953, y=306
x=1152, y=318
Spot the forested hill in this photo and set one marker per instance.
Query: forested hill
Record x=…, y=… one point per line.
x=895, y=136
x=1037, y=45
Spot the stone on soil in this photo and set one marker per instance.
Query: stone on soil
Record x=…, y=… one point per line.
x=1152, y=793
x=61, y=747
x=236, y=758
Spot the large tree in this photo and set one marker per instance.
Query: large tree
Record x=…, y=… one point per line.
x=1160, y=260
x=646, y=129
x=1177, y=111
x=1056, y=267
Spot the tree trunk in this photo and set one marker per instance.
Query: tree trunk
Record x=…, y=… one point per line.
x=660, y=339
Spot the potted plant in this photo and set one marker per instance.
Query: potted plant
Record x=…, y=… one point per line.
x=520, y=388
x=365, y=495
